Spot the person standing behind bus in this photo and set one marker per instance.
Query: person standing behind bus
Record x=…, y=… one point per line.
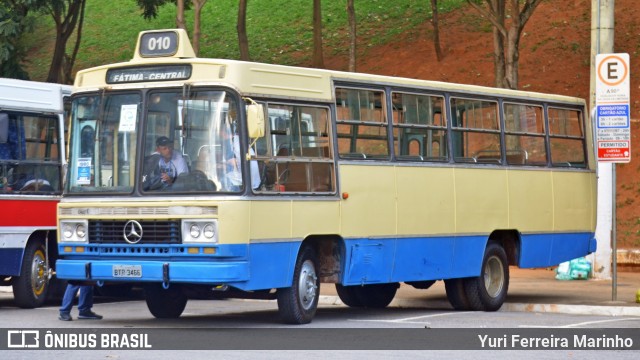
x=85, y=302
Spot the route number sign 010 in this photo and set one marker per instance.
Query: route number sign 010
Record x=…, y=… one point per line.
x=613, y=131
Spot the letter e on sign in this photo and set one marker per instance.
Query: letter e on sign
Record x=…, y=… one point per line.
x=612, y=78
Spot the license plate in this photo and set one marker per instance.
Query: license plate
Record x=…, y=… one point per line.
x=127, y=271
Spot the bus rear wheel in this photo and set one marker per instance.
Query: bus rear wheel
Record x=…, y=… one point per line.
x=31, y=287
x=298, y=304
x=488, y=291
x=165, y=303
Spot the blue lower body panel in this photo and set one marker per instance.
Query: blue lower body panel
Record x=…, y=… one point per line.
x=10, y=261
x=370, y=261
x=255, y=267
x=541, y=250
x=271, y=265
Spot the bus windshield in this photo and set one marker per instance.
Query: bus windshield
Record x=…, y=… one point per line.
x=178, y=141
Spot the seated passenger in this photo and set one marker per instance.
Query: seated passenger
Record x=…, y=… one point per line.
x=163, y=166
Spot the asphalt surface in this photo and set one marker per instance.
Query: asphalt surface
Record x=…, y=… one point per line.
x=530, y=290
x=533, y=290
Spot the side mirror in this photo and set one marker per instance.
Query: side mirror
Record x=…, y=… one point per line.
x=255, y=120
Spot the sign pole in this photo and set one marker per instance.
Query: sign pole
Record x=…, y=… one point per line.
x=613, y=130
x=614, y=240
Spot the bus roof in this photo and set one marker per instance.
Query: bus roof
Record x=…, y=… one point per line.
x=31, y=95
x=257, y=79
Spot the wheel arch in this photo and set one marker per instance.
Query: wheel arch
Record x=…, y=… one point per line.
x=330, y=251
x=48, y=239
x=509, y=239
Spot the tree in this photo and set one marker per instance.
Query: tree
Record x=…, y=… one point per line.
x=351, y=14
x=150, y=10
x=13, y=24
x=66, y=14
x=436, y=29
x=317, y=58
x=506, y=60
x=243, y=40
x=180, y=23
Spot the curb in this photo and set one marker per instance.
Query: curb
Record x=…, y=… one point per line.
x=604, y=310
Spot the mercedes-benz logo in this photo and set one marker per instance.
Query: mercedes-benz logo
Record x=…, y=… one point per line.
x=132, y=232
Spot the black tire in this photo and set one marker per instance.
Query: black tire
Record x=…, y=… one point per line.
x=422, y=285
x=165, y=303
x=298, y=304
x=456, y=294
x=348, y=295
x=30, y=289
x=377, y=296
x=488, y=291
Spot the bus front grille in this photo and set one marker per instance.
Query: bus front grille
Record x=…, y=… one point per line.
x=153, y=232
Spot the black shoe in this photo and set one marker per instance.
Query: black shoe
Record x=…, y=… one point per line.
x=65, y=316
x=89, y=315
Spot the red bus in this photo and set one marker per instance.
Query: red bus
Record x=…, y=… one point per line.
x=32, y=164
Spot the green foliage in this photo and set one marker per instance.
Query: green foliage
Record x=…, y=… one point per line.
x=14, y=22
x=279, y=31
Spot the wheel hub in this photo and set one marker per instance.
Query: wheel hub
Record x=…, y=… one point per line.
x=308, y=285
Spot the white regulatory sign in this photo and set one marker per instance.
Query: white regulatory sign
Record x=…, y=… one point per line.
x=612, y=108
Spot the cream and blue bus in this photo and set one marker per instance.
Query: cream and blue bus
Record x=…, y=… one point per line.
x=280, y=179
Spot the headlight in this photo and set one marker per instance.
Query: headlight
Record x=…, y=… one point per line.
x=73, y=230
x=199, y=231
x=209, y=231
x=194, y=231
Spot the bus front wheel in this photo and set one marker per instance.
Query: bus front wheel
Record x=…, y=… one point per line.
x=298, y=304
x=31, y=287
x=488, y=291
x=165, y=303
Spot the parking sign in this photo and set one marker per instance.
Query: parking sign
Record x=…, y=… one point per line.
x=613, y=129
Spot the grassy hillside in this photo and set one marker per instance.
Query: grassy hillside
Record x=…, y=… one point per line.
x=279, y=31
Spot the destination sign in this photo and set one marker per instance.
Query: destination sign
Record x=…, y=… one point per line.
x=148, y=73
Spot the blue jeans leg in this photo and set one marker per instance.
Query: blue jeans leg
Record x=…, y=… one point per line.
x=69, y=296
x=85, y=302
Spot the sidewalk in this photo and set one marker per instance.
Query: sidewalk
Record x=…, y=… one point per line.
x=532, y=290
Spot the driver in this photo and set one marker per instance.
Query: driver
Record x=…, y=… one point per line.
x=170, y=163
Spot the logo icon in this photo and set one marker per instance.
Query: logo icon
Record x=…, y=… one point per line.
x=23, y=339
x=132, y=232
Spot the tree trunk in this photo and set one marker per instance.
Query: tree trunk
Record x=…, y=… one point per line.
x=351, y=13
x=180, y=24
x=506, y=61
x=68, y=66
x=65, y=26
x=499, y=64
x=197, y=4
x=243, y=40
x=318, y=58
x=436, y=29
